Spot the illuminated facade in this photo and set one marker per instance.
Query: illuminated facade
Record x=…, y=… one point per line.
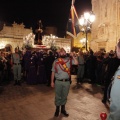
x=106, y=28
x=12, y=36
x=76, y=40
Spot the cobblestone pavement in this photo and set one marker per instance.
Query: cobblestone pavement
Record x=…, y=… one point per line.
x=36, y=102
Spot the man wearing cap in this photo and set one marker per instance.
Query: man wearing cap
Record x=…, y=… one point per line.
x=115, y=92
x=15, y=59
x=61, y=73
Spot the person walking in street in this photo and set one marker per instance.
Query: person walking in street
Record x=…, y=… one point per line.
x=61, y=73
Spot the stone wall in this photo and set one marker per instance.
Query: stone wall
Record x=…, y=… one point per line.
x=13, y=35
x=106, y=28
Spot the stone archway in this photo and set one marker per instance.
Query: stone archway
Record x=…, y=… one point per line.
x=8, y=48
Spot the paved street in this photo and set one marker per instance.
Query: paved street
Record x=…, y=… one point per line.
x=36, y=102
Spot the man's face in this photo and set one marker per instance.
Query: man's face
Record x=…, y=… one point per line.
x=62, y=54
x=16, y=50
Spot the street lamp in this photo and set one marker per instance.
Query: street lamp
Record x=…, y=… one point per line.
x=86, y=21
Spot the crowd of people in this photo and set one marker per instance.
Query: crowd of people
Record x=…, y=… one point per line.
x=36, y=67
x=32, y=66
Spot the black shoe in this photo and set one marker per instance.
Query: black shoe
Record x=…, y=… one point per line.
x=56, y=114
x=65, y=113
x=57, y=111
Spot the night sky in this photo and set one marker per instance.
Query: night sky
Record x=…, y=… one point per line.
x=51, y=12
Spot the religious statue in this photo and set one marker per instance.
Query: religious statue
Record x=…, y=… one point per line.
x=39, y=34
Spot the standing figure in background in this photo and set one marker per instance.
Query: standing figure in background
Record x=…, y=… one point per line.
x=41, y=72
x=48, y=66
x=61, y=73
x=15, y=59
x=26, y=61
x=1, y=68
x=80, y=72
x=91, y=66
x=112, y=65
x=32, y=70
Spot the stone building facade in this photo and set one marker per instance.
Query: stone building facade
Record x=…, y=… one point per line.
x=12, y=36
x=106, y=28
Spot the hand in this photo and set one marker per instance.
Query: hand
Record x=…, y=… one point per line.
x=71, y=54
x=52, y=84
x=3, y=58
